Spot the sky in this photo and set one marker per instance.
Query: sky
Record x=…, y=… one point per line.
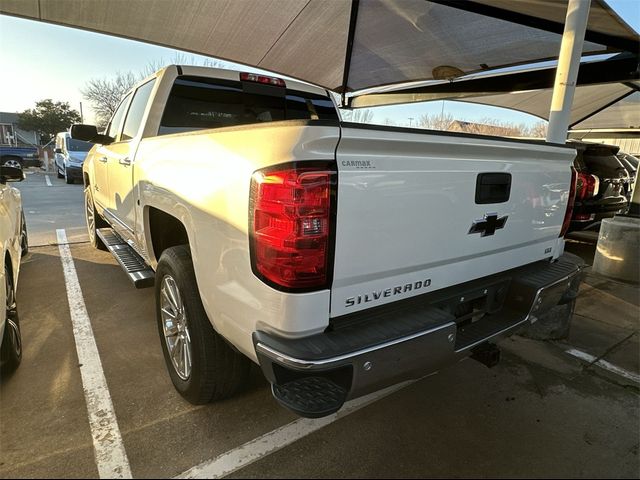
x=47, y=61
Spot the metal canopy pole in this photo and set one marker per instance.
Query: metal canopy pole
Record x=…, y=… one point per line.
x=567, y=72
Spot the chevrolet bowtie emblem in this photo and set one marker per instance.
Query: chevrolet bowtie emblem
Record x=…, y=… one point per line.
x=488, y=225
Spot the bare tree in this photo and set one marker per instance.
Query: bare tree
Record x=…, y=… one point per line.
x=105, y=94
x=363, y=115
x=485, y=126
x=538, y=130
x=180, y=58
x=435, y=121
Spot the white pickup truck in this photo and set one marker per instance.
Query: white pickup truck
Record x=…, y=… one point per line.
x=340, y=257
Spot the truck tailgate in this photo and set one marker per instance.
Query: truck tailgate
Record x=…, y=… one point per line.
x=412, y=217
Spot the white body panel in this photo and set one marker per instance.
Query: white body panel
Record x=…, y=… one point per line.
x=203, y=179
x=10, y=211
x=406, y=216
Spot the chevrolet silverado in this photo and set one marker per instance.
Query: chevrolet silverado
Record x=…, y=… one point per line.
x=339, y=257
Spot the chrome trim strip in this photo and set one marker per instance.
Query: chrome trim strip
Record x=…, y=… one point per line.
x=568, y=277
x=107, y=213
x=478, y=342
x=307, y=364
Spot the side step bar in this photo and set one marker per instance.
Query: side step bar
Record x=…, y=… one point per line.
x=140, y=274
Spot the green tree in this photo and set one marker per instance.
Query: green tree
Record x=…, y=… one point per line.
x=48, y=118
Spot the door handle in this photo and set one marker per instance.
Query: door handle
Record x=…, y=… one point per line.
x=103, y=159
x=125, y=161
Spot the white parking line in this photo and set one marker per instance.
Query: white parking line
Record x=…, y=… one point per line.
x=279, y=438
x=48, y=180
x=111, y=457
x=634, y=377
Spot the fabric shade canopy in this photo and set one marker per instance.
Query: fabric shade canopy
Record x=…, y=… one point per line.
x=607, y=88
x=345, y=45
x=615, y=105
x=624, y=113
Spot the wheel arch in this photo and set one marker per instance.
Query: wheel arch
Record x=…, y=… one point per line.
x=164, y=230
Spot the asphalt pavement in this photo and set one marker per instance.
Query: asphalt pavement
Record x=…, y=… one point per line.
x=549, y=409
x=48, y=208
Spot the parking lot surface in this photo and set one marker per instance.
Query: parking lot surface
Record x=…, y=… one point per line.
x=568, y=408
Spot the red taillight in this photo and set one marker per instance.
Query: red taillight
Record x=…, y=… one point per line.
x=290, y=226
x=570, y=202
x=587, y=186
x=254, y=77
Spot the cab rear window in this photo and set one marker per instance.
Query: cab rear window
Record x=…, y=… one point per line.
x=197, y=103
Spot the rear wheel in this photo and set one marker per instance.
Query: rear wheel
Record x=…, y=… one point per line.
x=94, y=220
x=202, y=366
x=11, y=348
x=12, y=162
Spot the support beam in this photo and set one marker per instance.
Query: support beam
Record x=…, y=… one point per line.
x=567, y=72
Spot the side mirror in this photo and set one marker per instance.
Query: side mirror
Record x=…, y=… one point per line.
x=89, y=133
x=11, y=174
x=58, y=150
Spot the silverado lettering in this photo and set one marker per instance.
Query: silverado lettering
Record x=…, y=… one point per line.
x=389, y=292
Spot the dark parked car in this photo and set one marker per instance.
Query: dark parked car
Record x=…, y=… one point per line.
x=602, y=187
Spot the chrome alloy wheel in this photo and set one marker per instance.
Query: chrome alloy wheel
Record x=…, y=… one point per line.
x=175, y=328
x=12, y=328
x=12, y=163
x=90, y=214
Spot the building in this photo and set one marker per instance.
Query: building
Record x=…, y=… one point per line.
x=482, y=129
x=10, y=134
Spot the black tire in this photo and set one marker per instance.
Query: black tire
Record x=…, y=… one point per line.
x=11, y=348
x=67, y=178
x=217, y=371
x=58, y=172
x=98, y=222
x=24, y=237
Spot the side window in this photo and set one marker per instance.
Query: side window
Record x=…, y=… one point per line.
x=136, y=110
x=116, y=120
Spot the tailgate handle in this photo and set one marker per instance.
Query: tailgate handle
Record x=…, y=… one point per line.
x=493, y=188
